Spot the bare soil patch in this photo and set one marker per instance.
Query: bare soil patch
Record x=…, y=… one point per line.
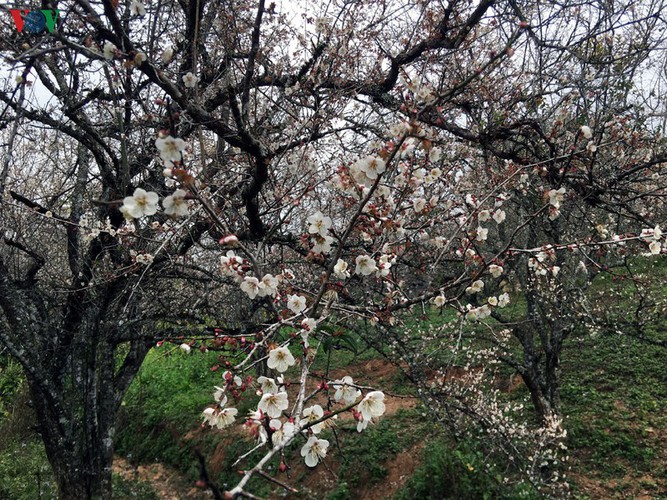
x=168, y=483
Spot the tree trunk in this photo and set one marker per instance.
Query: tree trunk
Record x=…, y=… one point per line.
x=78, y=441
x=85, y=484
x=540, y=370
x=77, y=418
x=542, y=403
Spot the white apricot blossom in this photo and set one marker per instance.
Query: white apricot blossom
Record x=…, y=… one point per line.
x=267, y=385
x=481, y=233
x=210, y=416
x=268, y=287
x=280, y=359
x=477, y=286
x=384, y=265
x=109, y=50
x=657, y=233
x=309, y=324
x=345, y=390
x=226, y=417
x=372, y=405
x=314, y=450
x=340, y=269
x=483, y=215
x=175, y=204
x=504, y=299
x=190, y=80
x=139, y=58
x=372, y=167
x=255, y=424
x=586, y=132
x=499, y=216
x=312, y=414
x=220, y=416
x=439, y=300
x=649, y=235
x=296, y=303
x=365, y=265
x=398, y=129
x=495, y=270
x=419, y=204
x=250, y=285
x=170, y=149
x=319, y=224
x=167, y=55
x=556, y=197
x=229, y=263
x=426, y=95
x=478, y=313
x=273, y=404
x=322, y=244
x=362, y=424
x=281, y=432
x=219, y=396
x=144, y=258
x=141, y=203
x=137, y=8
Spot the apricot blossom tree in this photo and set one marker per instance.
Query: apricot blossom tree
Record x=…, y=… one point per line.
x=298, y=172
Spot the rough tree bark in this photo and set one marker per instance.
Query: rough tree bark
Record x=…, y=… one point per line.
x=73, y=380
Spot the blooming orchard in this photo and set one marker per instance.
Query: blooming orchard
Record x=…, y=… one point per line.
x=441, y=182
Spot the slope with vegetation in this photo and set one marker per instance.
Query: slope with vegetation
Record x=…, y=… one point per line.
x=614, y=401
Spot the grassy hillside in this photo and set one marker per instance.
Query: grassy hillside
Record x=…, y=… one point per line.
x=614, y=401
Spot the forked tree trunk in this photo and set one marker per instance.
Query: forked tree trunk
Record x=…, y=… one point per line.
x=544, y=403
x=66, y=335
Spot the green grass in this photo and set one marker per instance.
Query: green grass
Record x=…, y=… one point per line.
x=11, y=384
x=24, y=471
x=615, y=398
x=164, y=402
x=615, y=390
x=450, y=470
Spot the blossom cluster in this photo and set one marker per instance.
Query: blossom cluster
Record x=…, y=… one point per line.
x=270, y=423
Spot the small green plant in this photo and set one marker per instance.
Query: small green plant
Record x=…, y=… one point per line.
x=25, y=473
x=342, y=492
x=11, y=383
x=125, y=489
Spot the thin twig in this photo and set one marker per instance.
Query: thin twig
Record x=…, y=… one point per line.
x=279, y=483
